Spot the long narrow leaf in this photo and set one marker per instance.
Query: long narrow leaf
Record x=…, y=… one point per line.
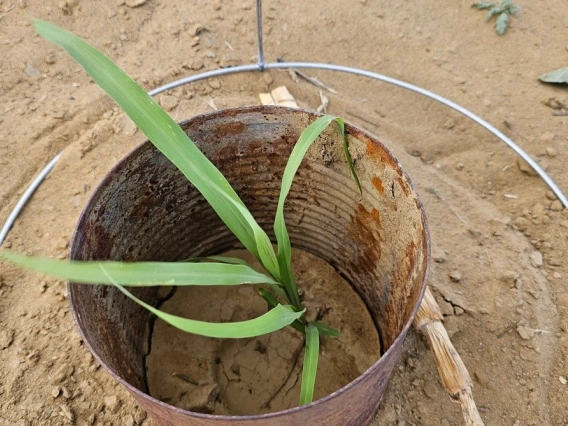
x=142, y=273
x=308, y=136
x=166, y=135
x=273, y=320
x=221, y=259
x=264, y=251
x=272, y=303
x=326, y=330
x=483, y=5
x=347, y=154
x=310, y=366
x=502, y=23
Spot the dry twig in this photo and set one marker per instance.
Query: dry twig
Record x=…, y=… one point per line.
x=451, y=368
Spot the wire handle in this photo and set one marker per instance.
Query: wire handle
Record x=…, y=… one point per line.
x=259, y=35
x=452, y=370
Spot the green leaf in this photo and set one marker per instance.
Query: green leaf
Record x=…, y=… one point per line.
x=558, y=76
x=273, y=320
x=326, y=330
x=502, y=23
x=168, y=137
x=221, y=259
x=272, y=303
x=310, y=367
x=483, y=5
x=514, y=10
x=308, y=136
x=348, y=155
x=491, y=12
x=141, y=273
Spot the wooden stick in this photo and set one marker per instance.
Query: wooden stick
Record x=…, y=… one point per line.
x=279, y=96
x=451, y=368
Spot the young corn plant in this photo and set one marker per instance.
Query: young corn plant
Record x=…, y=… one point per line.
x=281, y=293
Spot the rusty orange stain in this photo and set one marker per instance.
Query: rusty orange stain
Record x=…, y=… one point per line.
x=380, y=157
x=233, y=128
x=406, y=266
x=378, y=184
x=376, y=217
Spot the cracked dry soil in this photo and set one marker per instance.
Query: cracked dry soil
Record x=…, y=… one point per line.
x=261, y=374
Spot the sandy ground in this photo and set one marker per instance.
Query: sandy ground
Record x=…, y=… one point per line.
x=499, y=237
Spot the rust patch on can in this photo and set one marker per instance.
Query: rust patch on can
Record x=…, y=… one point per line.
x=380, y=157
x=406, y=266
x=232, y=128
x=365, y=230
x=378, y=184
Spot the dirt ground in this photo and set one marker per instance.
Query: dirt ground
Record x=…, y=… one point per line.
x=499, y=236
x=260, y=375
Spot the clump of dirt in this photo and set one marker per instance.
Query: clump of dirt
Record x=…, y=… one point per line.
x=261, y=374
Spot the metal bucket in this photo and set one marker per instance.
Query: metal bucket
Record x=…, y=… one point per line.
x=145, y=209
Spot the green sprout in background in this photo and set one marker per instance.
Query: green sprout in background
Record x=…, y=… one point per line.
x=281, y=291
x=503, y=11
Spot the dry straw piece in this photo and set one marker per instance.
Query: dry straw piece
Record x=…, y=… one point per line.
x=451, y=368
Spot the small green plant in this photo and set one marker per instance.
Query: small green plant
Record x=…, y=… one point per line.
x=281, y=293
x=503, y=11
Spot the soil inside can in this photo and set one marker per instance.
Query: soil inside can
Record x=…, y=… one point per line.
x=262, y=374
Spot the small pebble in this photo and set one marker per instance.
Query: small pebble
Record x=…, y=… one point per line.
x=139, y=416
x=6, y=338
x=128, y=420
x=521, y=223
x=536, y=259
x=62, y=373
x=267, y=78
x=215, y=84
x=67, y=413
x=526, y=333
x=112, y=403
x=430, y=389
x=196, y=30
x=134, y=3
x=446, y=308
x=508, y=277
x=551, y=152
x=547, y=137
x=480, y=377
x=455, y=276
x=563, y=380
x=438, y=255
x=31, y=70
x=55, y=391
x=65, y=392
x=525, y=168
x=168, y=102
x=556, y=206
